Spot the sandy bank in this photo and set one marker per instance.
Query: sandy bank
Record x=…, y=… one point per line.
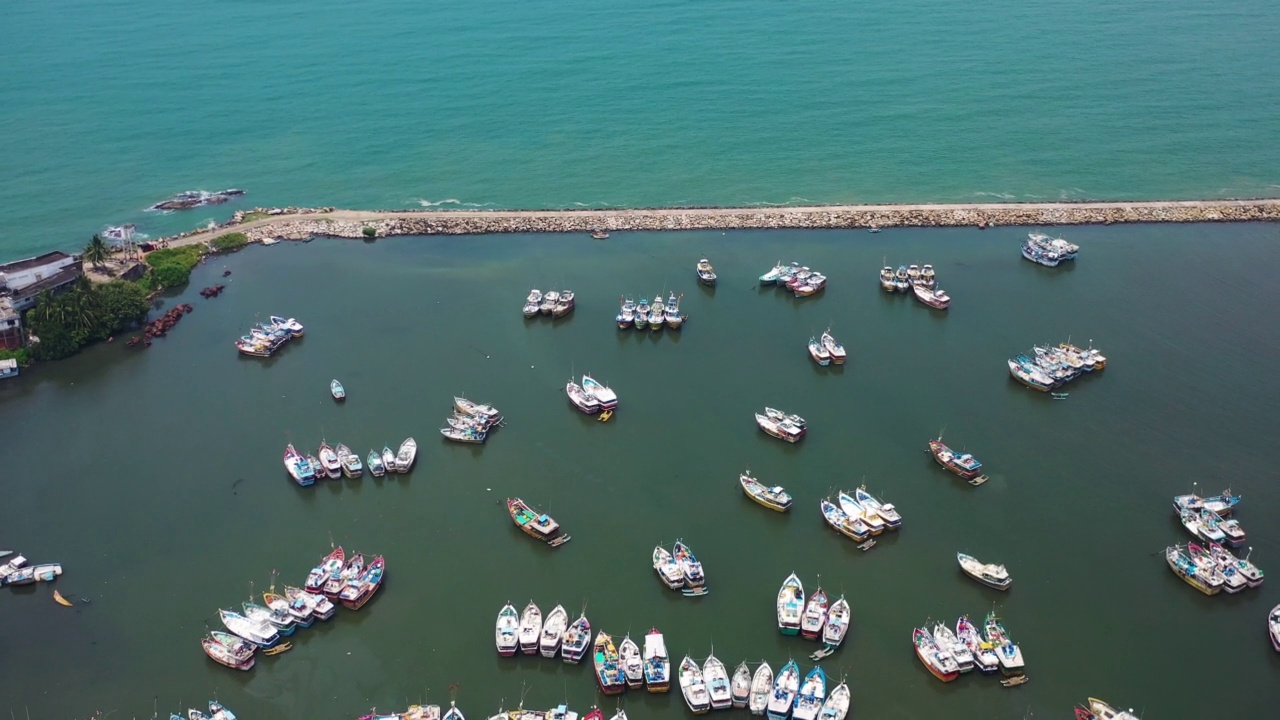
x=300, y=223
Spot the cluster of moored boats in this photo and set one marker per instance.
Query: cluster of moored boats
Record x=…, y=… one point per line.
x=1214, y=568
x=264, y=339
x=338, y=461
x=800, y=280
x=784, y=426
x=817, y=619
x=592, y=396
x=826, y=351
x=679, y=569
x=351, y=581
x=860, y=515
x=920, y=280
x=708, y=686
x=529, y=633
x=947, y=654
x=432, y=712
x=652, y=315
x=1047, y=368
x=470, y=421
x=15, y=571
x=217, y=711
x=536, y=524
x=1048, y=251
x=556, y=303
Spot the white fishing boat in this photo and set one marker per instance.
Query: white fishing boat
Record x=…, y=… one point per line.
x=606, y=397
x=771, y=277
x=689, y=565
x=1010, y=655
x=994, y=576
x=983, y=653
x=693, y=687
x=657, y=665
x=581, y=399
x=774, y=498
x=632, y=665
x=785, y=687
x=374, y=461
x=761, y=689
x=948, y=641
x=812, y=693
x=464, y=435
x=936, y=298
x=564, y=305
x=740, y=685
x=389, y=459
x=790, y=605
x=549, y=300
x=454, y=713
x=576, y=640
x=260, y=634
x=818, y=352
x=675, y=320
x=717, y=681
x=855, y=510
x=467, y=407
x=530, y=628
x=837, y=625
x=532, y=303
x=887, y=279
x=507, y=632
x=553, y=629
x=781, y=430
x=407, y=455
x=886, y=511
x=1273, y=627
x=837, y=705
x=815, y=615
x=351, y=465
x=833, y=348
x=668, y=569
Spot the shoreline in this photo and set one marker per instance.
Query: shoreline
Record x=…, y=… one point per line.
x=298, y=223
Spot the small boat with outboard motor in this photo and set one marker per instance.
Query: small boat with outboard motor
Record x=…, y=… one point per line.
x=337, y=391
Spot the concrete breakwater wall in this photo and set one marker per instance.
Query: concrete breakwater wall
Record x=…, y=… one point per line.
x=300, y=223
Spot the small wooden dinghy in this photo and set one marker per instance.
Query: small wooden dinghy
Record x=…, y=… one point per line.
x=867, y=545
x=57, y=597
x=281, y=648
x=979, y=480
x=1060, y=396
x=604, y=416
x=1014, y=681
x=695, y=592
x=824, y=652
x=337, y=391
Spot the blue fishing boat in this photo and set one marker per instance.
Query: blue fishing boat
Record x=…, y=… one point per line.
x=811, y=695
x=785, y=687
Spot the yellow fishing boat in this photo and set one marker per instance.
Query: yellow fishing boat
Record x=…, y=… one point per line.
x=57, y=597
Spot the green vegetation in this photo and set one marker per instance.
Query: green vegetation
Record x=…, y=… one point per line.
x=96, y=252
x=22, y=355
x=84, y=314
x=251, y=216
x=229, y=242
x=369, y=232
x=171, y=267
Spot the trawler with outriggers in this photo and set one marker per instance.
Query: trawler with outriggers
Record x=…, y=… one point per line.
x=774, y=498
x=962, y=464
x=535, y=524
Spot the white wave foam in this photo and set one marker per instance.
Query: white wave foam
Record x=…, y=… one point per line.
x=1001, y=196
x=447, y=201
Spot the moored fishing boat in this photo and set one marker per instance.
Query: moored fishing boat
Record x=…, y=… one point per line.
x=669, y=571
x=299, y=467
x=1209, y=582
x=1192, y=524
x=218, y=711
x=532, y=303
x=581, y=399
x=837, y=625
x=535, y=524
x=812, y=693
x=1273, y=627
x=632, y=665
x=994, y=576
x=407, y=455
x=549, y=300
x=357, y=596
x=815, y=615
x=530, y=629
x=265, y=616
x=464, y=435
x=337, y=391
x=506, y=634
x=298, y=611
x=936, y=660
x=761, y=689
x=1232, y=581
x=351, y=572
x=1228, y=562
x=872, y=505
x=259, y=634
x=913, y=274
x=818, y=352
x=783, y=430
x=1009, y=654
x=642, y=314
x=984, y=654
x=771, y=277
x=740, y=685
x=223, y=656
x=833, y=348
x=389, y=459
x=693, y=687
x=785, y=686
x=689, y=565
x=626, y=313
x=1231, y=528
x=962, y=464
x=675, y=320
x=839, y=520
x=603, y=395
x=330, y=567
x=467, y=407
x=706, y=273
x=790, y=605
x=716, y=679
x=657, y=665
x=936, y=297
x=810, y=285
x=329, y=459
x=608, y=671
x=856, y=512
x=948, y=641
x=900, y=280
x=928, y=277
x=454, y=713
x=657, y=313
x=553, y=629
x=887, y=280
x=564, y=304
x=374, y=462
x=774, y=498
x=1033, y=379
x=837, y=705
x=351, y=465
x=780, y=416
x=321, y=607
x=1099, y=710
x=576, y=639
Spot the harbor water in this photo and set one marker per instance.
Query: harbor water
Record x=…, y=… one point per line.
x=154, y=476
x=111, y=107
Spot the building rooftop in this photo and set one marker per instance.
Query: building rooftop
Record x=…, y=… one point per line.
x=6, y=309
x=63, y=277
x=45, y=259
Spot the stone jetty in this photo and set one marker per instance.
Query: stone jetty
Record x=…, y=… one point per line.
x=295, y=223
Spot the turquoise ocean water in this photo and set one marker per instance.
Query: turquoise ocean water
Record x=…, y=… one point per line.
x=111, y=106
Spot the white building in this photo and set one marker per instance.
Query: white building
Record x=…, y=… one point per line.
x=23, y=280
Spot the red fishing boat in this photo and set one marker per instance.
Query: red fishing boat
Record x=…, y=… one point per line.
x=962, y=464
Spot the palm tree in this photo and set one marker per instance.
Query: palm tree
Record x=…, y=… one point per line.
x=47, y=309
x=96, y=251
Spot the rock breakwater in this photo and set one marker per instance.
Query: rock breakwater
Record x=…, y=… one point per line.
x=294, y=223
